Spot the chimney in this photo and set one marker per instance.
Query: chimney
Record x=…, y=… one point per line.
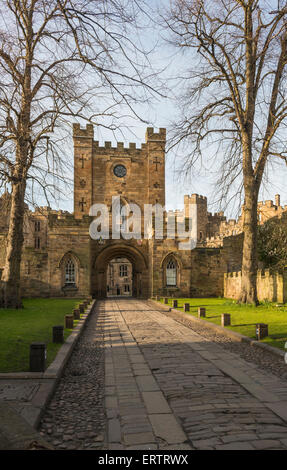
x=277, y=200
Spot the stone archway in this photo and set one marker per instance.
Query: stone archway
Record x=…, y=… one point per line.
x=140, y=281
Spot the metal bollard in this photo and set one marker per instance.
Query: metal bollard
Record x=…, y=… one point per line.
x=174, y=303
x=186, y=307
x=37, y=357
x=58, y=334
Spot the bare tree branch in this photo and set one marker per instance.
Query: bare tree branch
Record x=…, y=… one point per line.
x=233, y=100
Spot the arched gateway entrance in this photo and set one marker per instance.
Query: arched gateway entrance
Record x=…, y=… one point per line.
x=140, y=279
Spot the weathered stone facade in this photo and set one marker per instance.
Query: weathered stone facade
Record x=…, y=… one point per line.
x=60, y=258
x=119, y=278
x=271, y=286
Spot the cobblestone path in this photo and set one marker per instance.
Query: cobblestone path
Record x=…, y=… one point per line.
x=165, y=387
x=75, y=417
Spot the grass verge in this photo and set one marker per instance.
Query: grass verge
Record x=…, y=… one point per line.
x=244, y=317
x=33, y=323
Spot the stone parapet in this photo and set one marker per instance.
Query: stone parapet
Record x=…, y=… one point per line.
x=271, y=286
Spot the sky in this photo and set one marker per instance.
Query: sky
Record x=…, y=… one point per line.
x=161, y=114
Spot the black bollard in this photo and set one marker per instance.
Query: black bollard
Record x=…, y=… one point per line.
x=37, y=357
x=58, y=334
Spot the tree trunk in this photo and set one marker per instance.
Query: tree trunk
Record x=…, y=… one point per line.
x=11, y=297
x=249, y=256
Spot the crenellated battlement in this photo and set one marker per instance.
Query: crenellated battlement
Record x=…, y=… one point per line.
x=195, y=199
x=119, y=148
x=233, y=274
x=151, y=135
x=78, y=131
x=63, y=218
x=267, y=203
x=214, y=242
x=88, y=132
x=261, y=273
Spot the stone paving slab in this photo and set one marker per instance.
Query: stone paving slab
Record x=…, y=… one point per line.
x=155, y=402
x=147, y=383
x=166, y=427
x=16, y=433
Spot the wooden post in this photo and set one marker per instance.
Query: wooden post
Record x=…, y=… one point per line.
x=76, y=313
x=225, y=319
x=201, y=312
x=261, y=331
x=69, y=321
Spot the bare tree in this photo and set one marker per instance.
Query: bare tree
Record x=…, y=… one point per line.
x=60, y=59
x=233, y=97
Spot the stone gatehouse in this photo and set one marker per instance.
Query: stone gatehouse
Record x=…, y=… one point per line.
x=61, y=259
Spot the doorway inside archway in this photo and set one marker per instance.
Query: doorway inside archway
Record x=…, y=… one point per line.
x=139, y=285
x=119, y=278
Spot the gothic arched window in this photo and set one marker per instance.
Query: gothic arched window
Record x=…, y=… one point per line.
x=171, y=273
x=70, y=272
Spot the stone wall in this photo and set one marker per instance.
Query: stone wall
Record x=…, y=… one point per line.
x=207, y=272
x=95, y=180
x=271, y=287
x=69, y=237
x=200, y=271
x=232, y=252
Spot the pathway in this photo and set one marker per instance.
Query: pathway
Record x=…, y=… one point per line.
x=167, y=387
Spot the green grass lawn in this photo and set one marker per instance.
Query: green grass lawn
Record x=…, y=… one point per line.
x=20, y=328
x=244, y=317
